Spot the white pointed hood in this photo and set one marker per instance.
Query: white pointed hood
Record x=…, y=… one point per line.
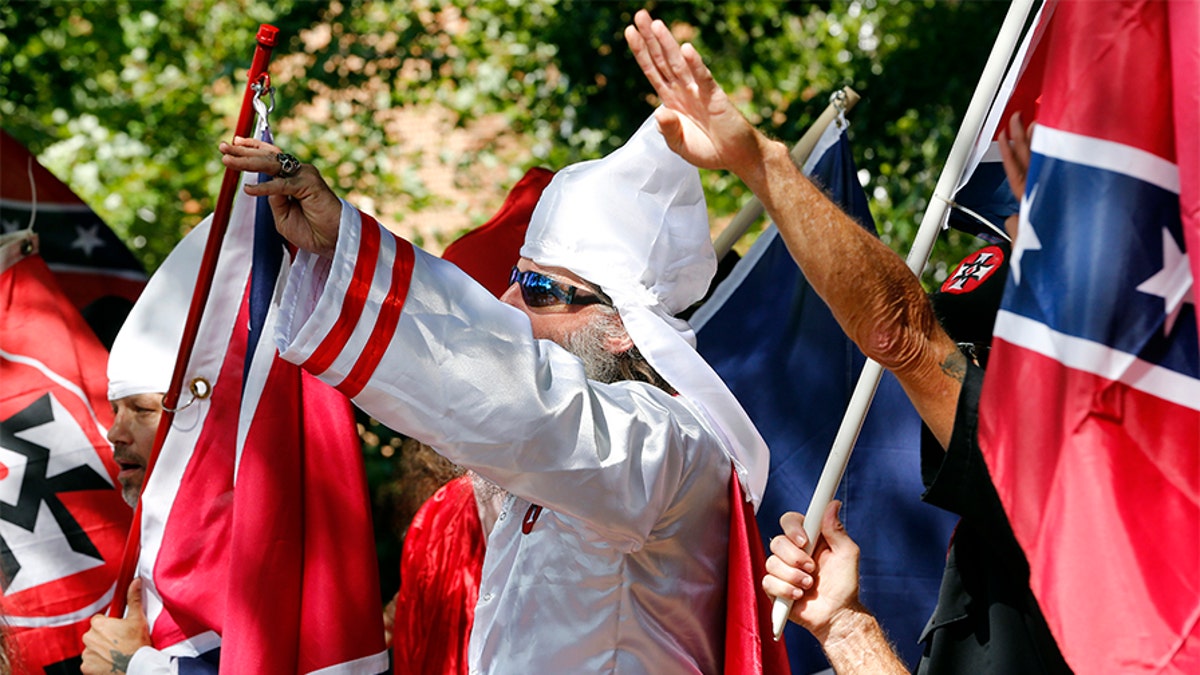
x=635, y=223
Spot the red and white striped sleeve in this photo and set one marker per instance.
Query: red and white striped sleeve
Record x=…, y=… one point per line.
x=341, y=334
x=432, y=354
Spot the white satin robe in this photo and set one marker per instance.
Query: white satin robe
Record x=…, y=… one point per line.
x=623, y=568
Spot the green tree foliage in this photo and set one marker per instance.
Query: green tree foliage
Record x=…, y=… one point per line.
x=126, y=99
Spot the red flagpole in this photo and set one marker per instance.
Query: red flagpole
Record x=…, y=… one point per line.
x=266, y=40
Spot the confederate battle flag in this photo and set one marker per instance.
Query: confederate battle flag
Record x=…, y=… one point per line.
x=1090, y=416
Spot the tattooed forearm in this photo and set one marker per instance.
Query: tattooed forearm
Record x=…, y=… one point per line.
x=955, y=365
x=120, y=661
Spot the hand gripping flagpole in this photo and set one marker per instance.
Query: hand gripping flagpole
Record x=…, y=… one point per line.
x=266, y=40
x=860, y=401
x=841, y=102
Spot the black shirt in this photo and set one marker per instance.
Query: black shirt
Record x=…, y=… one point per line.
x=986, y=619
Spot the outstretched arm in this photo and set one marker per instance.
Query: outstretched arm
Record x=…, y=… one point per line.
x=877, y=301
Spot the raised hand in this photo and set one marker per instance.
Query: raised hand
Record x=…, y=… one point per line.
x=698, y=120
x=1015, y=153
x=307, y=212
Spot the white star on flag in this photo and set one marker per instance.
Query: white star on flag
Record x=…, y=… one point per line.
x=9, y=226
x=1027, y=239
x=88, y=239
x=1173, y=283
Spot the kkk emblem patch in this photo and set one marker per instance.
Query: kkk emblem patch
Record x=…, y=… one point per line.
x=974, y=270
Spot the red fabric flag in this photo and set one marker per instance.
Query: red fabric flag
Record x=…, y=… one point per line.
x=62, y=520
x=750, y=646
x=88, y=260
x=1185, y=93
x=256, y=525
x=488, y=252
x=1090, y=415
x=439, y=582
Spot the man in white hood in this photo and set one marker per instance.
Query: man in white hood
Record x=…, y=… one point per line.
x=580, y=394
x=140, y=365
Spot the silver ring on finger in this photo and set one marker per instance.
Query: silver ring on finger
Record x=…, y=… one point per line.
x=288, y=165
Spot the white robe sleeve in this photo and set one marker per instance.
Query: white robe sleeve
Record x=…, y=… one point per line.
x=150, y=661
x=427, y=351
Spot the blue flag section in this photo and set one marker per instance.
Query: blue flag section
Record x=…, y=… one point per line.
x=988, y=196
x=777, y=345
x=265, y=263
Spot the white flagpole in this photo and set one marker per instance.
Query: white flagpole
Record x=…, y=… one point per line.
x=860, y=401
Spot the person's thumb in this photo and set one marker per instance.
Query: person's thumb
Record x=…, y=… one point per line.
x=833, y=530
x=670, y=126
x=133, y=598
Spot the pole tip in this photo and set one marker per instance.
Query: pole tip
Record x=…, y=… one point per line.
x=267, y=34
x=780, y=609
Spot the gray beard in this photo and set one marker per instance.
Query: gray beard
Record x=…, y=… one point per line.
x=587, y=343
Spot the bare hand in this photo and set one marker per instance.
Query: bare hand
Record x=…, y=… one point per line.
x=1015, y=154
x=307, y=212
x=699, y=122
x=823, y=586
x=110, y=643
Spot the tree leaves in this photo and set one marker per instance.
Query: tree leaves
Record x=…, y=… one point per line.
x=126, y=100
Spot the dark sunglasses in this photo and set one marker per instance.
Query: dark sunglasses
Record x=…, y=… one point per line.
x=539, y=290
